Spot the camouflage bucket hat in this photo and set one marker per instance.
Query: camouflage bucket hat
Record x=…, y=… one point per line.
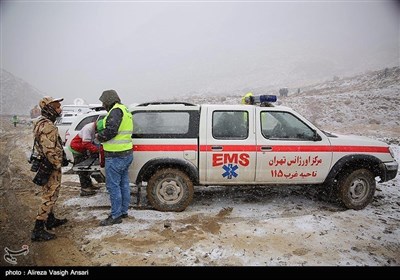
x=47, y=100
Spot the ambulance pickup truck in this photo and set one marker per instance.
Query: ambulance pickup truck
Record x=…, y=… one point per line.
x=178, y=146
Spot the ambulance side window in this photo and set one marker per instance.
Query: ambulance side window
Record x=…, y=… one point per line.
x=283, y=125
x=165, y=124
x=230, y=125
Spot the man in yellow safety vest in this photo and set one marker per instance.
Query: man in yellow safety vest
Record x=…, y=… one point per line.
x=116, y=138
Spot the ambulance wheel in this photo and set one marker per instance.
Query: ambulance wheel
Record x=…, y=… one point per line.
x=170, y=189
x=357, y=189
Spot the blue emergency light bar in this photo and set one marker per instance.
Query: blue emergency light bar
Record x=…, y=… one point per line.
x=264, y=98
x=259, y=99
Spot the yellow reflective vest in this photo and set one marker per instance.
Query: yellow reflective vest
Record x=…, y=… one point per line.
x=122, y=141
x=247, y=95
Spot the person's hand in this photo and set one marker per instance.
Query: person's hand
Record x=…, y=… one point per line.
x=65, y=162
x=96, y=142
x=94, y=155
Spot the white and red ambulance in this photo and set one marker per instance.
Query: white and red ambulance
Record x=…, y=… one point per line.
x=178, y=146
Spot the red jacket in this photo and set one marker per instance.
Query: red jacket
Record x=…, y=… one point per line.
x=83, y=141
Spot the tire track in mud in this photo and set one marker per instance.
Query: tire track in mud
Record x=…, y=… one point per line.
x=15, y=219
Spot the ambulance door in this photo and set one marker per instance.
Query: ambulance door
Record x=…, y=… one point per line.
x=290, y=149
x=230, y=145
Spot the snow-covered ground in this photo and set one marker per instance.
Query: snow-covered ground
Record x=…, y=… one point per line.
x=258, y=226
x=254, y=226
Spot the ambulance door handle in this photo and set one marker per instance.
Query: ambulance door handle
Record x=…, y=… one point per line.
x=266, y=149
x=216, y=148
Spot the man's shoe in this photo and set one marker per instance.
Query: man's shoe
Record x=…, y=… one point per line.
x=110, y=221
x=123, y=216
x=87, y=192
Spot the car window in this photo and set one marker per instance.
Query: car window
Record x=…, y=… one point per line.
x=284, y=125
x=161, y=122
x=233, y=125
x=87, y=120
x=165, y=124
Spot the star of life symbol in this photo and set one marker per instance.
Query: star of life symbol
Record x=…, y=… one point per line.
x=230, y=171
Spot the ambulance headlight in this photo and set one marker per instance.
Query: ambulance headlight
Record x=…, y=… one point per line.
x=391, y=151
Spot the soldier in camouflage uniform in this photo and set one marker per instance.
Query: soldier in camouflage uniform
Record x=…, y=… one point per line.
x=48, y=145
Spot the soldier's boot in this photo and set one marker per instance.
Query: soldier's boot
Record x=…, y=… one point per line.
x=40, y=234
x=87, y=191
x=53, y=222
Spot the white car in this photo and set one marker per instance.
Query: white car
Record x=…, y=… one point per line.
x=178, y=146
x=70, y=113
x=79, y=122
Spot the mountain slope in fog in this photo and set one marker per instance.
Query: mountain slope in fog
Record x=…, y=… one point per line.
x=365, y=104
x=17, y=96
x=370, y=100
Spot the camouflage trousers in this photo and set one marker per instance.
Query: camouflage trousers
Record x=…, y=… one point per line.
x=50, y=193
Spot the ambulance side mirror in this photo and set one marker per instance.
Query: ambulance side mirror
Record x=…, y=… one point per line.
x=316, y=136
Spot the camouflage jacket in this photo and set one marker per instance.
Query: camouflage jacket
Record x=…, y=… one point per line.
x=48, y=142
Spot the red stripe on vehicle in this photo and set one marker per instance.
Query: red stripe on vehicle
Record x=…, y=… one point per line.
x=335, y=149
x=253, y=148
x=299, y=148
x=366, y=149
x=229, y=148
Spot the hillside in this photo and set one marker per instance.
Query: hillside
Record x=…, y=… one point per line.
x=364, y=104
x=17, y=96
x=346, y=103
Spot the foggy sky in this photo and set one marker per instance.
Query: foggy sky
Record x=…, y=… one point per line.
x=151, y=50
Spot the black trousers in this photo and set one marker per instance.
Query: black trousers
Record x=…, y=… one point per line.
x=84, y=177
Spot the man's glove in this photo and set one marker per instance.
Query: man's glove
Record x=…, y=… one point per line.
x=96, y=142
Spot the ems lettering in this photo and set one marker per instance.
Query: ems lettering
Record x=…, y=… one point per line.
x=221, y=159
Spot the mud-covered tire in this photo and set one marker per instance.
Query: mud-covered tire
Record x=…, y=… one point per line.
x=356, y=190
x=170, y=190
